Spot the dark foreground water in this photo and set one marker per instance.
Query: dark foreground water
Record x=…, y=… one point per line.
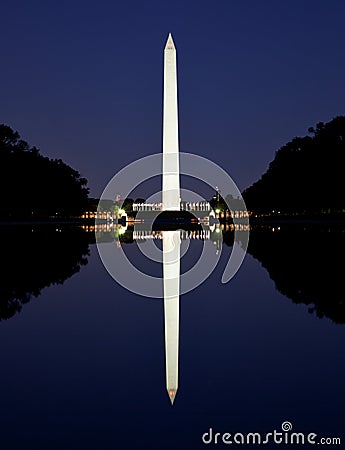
x=83, y=365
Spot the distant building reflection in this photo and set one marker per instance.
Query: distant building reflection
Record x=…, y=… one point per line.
x=146, y=233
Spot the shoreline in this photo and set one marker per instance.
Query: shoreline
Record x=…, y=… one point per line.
x=288, y=220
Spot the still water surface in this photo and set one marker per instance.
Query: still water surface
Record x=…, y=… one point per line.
x=83, y=364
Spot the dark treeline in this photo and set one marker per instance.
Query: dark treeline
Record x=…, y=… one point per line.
x=306, y=175
x=35, y=258
x=34, y=186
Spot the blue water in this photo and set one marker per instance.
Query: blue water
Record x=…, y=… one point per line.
x=83, y=365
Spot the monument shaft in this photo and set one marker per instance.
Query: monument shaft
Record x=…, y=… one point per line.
x=171, y=170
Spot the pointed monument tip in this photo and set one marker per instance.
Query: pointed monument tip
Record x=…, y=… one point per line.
x=170, y=43
x=172, y=395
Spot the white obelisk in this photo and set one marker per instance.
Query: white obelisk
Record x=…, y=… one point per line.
x=171, y=170
x=171, y=277
x=171, y=202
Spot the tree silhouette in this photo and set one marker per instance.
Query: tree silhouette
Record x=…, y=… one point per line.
x=306, y=175
x=33, y=185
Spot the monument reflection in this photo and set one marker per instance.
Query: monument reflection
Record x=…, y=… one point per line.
x=169, y=242
x=171, y=282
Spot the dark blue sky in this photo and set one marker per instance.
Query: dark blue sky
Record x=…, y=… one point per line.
x=82, y=80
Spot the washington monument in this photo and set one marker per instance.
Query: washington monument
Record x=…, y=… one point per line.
x=171, y=172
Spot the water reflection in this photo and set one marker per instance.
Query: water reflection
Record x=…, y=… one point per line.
x=171, y=280
x=304, y=261
x=306, y=264
x=37, y=257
